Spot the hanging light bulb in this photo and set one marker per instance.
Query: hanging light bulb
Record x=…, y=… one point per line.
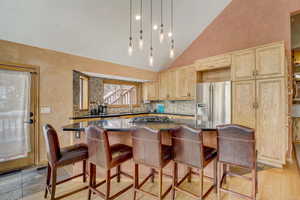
x=155, y=27
x=130, y=47
x=141, y=43
x=151, y=57
x=151, y=60
x=170, y=34
x=172, y=49
x=138, y=17
x=171, y=53
x=161, y=35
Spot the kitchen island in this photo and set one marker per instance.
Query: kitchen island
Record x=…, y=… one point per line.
x=119, y=132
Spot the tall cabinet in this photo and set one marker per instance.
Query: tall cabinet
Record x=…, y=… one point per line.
x=259, y=99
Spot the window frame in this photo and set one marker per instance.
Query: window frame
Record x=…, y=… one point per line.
x=138, y=86
x=82, y=107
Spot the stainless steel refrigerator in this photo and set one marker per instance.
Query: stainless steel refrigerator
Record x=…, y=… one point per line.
x=213, y=103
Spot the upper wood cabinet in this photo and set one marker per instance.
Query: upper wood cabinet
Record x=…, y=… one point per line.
x=243, y=65
x=214, y=62
x=163, y=85
x=186, y=82
x=150, y=91
x=243, y=103
x=266, y=61
x=271, y=115
x=270, y=61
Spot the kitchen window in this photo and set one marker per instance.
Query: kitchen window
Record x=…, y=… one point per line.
x=121, y=93
x=83, y=93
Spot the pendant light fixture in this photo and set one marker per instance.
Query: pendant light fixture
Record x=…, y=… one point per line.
x=130, y=47
x=141, y=42
x=161, y=34
x=151, y=47
x=171, y=33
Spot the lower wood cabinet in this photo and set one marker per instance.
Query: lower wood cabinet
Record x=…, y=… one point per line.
x=271, y=124
x=262, y=105
x=243, y=102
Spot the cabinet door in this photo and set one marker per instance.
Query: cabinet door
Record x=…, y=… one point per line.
x=171, y=86
x=270, y=61
x=152, y=91
x=181, y=88
x=163, y=86
x=243, y=65
x=145, y=91
x=191, y=79
x=243, y=99
x=271, y=127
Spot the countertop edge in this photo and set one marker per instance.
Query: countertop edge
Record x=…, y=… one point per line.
x=127, y=114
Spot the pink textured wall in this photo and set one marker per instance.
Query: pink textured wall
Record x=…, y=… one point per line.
x=242, y=24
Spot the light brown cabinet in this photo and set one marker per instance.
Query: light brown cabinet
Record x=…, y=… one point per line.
x=243, y=103
x=243, y=65
x=177, y=84
x=270, y=61
x=259, y=99
x=214, y=62
x=186, y=83
x=261, y=62
x=271, y=115
x=150, y=91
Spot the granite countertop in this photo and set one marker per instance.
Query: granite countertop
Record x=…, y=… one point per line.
x=126, y=114
x=120, y=124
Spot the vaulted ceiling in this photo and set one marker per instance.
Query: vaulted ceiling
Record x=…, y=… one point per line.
x=99, y=29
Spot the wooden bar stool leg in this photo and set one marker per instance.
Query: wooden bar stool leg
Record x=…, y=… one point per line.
x=47, y=180
x=91, y=181
x=160, y=175
x=136, y=180
x=175, y=179
x=107, y=194
x=119, y=173
x=53, y=182
x=219, y=181
x=254, y=184
x=153, y=175
x=84, y=163
x=189, y=169
x=201, y=183
x=215, y=174
x=224, y=172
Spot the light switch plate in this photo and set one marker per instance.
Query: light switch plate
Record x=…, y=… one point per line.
x=45, y=110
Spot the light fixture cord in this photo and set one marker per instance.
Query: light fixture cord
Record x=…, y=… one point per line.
x=141, y=13
x=172, y=7
x=161, y=12
x=151, y=26
x=130, y=21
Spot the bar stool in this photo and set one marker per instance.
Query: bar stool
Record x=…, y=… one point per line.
x=105, y=156
x=59, y=157
x=236, y=145
x=189, y=150
x=149, y=151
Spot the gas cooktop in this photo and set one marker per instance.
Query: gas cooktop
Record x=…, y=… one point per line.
x=159, y=119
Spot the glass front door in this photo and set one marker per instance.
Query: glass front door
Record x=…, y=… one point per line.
x=17, y=117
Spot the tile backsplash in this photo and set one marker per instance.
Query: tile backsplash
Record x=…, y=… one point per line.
x=181, y=107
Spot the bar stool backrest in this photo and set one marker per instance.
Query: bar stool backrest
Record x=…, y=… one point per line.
x=146, y=144
x=52, y=144
x=188, y=146
x=98, y=144
x=236, y=145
